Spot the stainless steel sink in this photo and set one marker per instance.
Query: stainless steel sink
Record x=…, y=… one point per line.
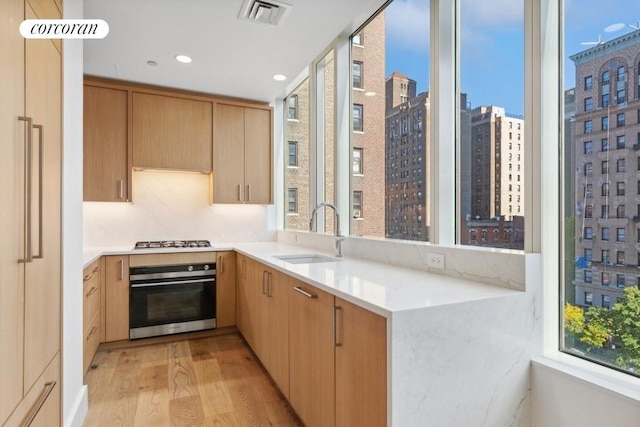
x=306, y=258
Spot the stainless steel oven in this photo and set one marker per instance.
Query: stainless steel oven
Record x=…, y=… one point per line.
x=170, y=299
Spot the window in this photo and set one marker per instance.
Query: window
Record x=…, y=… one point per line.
x=588, y=211
x=620, y=212
x=588, y=190
x=358, y=39
x=357, y=74
x=357, y=161
x=588, y=276
x=357, y=204
x=620, y=235
x=621, y=96
x=620, y=165
x=605, y=78
x=588, y=298
x=604, y=211
x=588, y=233
x=621, y=74
x=357, y=118
x=620, y=142
x=292, y=200
x=605, y=189
x=605, y=100
x=604, y=234
x=604, y=144
x=604, y=279
x=588, y=104
x=620, y=188
x=588, y=169
x=620, y=257
x=620, y=119
x=588, y=147
x=293, y=153
x=588, y=126
x=293, y=107
x=604, y=255
x=606, y=301
x=604, y=167
x=620, y=280
x=588, y=83
x=604, y=123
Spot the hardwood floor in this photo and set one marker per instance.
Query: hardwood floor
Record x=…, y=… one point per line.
x=214, y=381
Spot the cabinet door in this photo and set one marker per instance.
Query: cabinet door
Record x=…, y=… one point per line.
x=247, y=299
x=225, y=289
x=257, y=156
x=311, y=355
x=117, y=298
x=171, y=133
x=105, y=144
x=42, y=276
x=278, y=290
x=361, y=366
x=12, y=213
x=228, y=154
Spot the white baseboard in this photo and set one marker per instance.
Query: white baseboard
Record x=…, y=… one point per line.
x=79, y=411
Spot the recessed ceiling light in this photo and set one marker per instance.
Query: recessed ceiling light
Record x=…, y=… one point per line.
x=183, y=58
x=279, y=77
x=152, y=63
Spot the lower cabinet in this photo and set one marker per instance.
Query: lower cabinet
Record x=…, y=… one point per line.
x=92, y=325
x=225, y=289
x=327, y=355
x=116, y=305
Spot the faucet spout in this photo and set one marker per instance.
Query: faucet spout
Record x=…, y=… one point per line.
x=339, y=237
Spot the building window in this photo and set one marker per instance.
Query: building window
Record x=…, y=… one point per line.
x=605, y=100
x=588, y=298
x=293, y=153
x=588, y=190
x=588, y=148
x=588, y=276
x=357, y=204
x=588, y=169
x=620, y=119
x=293, y=107
x=620, y=212
x=588, y=126
x=621, y=96
x=621, y=74
x=620, y=165
x=588, y=211
x=358, y=39
x=604, y=255
x=620, y=280
x=606, y=301
x=620, y=257
x=620, y=142
x=292, y=200
x=604, y=233
x=588, y=233
x=604, y=211
x=604, y=279
x=605, y=78
x=605, y=123
x=588, y=83
x=605, y=189
x=357, y=161
x=620, y=188
x=604, y=167
x=357, y=118
x=588, y=104
x=604, y=144
x=357, y=74
x=620, y=234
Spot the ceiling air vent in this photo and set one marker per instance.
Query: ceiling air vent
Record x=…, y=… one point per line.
x=264, y=12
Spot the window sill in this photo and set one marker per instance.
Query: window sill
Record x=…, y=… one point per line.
x=591, y=373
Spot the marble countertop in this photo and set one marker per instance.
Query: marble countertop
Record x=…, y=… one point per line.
x=379, y=287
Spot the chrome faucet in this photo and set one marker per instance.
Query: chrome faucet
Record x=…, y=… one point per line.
x=339, y=237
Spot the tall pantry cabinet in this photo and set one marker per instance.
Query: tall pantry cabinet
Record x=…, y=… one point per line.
x=30, y=267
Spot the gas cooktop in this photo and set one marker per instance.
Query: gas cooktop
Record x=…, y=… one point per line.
x=155, y=244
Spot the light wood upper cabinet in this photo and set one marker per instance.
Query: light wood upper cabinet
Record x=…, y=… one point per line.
x=242, y=160
x=311, y=355
x=171, y=133
x=361, y=366
x=225, y=289
x=106, y=175
x=116, y=305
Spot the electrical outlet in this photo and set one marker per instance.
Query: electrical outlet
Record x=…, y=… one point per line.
x=435, y=261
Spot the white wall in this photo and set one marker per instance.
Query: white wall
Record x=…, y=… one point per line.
x=173, y=206
x=74, y=394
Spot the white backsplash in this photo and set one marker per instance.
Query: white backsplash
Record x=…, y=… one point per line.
x=171, y=206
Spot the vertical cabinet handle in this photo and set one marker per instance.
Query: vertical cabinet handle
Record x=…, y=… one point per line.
x=220, y=266
x=336, y=341
x=264, y=283
x=121, y=269
x=28, y=159
x=121, y=189
x=40, y=188
x=48, y=388
x=269, y=279
x=248, y=193
x=239, y=192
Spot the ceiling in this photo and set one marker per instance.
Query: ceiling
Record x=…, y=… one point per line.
x=231, y=57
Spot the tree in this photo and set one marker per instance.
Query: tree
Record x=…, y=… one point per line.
x=598, y=327
x=626, y=322
x=573, y=319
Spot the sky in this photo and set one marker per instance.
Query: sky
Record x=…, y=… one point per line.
x=492, y=43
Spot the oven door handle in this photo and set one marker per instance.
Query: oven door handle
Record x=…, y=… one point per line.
x=177, y=282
